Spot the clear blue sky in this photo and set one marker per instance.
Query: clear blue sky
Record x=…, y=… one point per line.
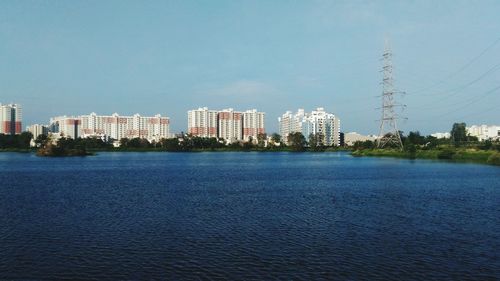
x=75, y=57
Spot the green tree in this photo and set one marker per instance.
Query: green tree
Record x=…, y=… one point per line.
x=24, y=139
x=124, y=142
x=297, y=141
x=316, y=142
x=41, y=140
x=170, y=144
x=458, y=134
x=276, y=138
x=261, y=139
x=415, y=138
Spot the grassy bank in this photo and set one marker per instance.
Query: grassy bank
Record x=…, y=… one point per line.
x=490, y=157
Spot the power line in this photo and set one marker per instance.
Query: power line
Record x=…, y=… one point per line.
x=473, y=101
x=474, y=59
x=468, y=103
x=457, y=90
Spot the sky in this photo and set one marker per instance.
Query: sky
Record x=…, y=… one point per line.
x=149, y=57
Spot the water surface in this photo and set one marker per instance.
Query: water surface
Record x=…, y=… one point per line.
x=247, y=216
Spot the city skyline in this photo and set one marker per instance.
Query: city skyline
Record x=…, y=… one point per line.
x=75, y=58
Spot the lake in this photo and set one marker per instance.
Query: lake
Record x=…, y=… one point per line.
x=247, y=216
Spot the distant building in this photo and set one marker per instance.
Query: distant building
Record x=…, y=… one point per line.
x=11, y=116
x=484, y=132
x=227, y=124
x=112, y=126
x=202, y=122
x=253, y=124
x=230, y=124
x=441, y=135
x=317, y=121
x=352, y=137
x=37, y=129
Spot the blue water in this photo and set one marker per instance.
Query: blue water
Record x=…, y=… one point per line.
x=243, y=216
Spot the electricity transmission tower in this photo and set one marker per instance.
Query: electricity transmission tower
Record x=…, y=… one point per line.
x=389, y=133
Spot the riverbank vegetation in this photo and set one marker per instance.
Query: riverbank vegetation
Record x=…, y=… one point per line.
x=188, y=143
x=63, y=147
x=15, y=143
x=460, y=148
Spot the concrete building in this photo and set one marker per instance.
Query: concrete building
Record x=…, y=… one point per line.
x=11, y=116
x=441, y=135
x=112, y=126
x=317, y=121
x=253, y=124
x=484, y=132
x=37, y=129
x=352, y=137
x=230, y=124
x=227, y=124
x=202, y=122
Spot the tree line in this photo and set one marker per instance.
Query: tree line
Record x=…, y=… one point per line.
x=21, y=141
x=458, y=139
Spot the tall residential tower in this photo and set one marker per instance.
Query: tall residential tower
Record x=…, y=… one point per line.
x=11, y=119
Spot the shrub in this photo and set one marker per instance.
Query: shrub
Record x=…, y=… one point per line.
x=446, y=153
x=494, y=159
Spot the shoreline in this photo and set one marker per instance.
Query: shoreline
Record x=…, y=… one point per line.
x=485, y=157
x=489, y=157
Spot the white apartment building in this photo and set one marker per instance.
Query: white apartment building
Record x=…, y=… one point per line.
x=37, y=129
x=484, y=132
x=202, y=122
x=227, y=124
x=253, y=124
x=11, y=116
x=318, y=121
x=67, y=126
x=230, y=125
x=112, y=126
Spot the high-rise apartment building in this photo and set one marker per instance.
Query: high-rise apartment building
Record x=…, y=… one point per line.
x=316, y=122
x=113, y=126
x=253, y=124
x=202, y=122
x=11, y=119
x=226, y=124
x=230, y=125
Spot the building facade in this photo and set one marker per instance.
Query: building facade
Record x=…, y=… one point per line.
x=11, y=119
x=112, y=126
x=441, y=135
x=352, y=137
x=202, y=122
x=484, y=132
x=230, y=124
x=227, y=124
x=37, y=129
x=316, y=122
x=253, y=124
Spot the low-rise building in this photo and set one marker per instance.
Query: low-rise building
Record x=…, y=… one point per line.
x=441, y=135
x=352, y=137
x=484, y=132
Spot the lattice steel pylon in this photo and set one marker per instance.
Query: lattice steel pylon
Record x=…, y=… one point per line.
x=389, y=133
